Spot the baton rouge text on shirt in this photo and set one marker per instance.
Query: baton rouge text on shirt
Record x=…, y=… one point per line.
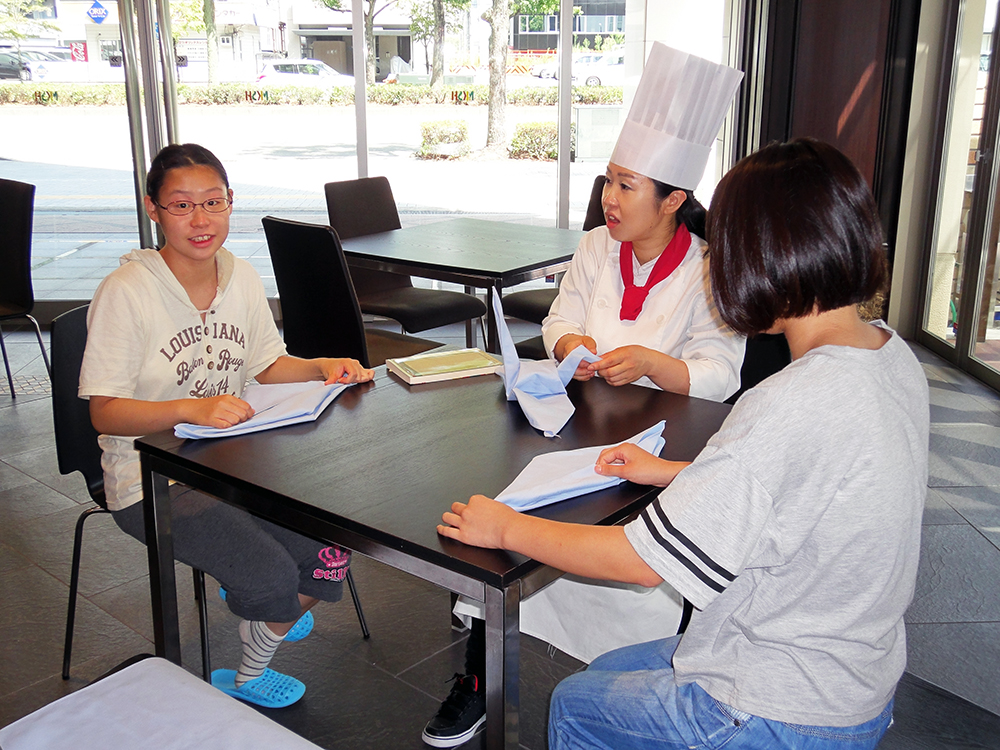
x=187, y=337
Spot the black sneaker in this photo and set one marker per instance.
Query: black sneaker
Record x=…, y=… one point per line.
x=460, y=716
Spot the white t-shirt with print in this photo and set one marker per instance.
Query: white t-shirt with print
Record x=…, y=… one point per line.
x=147, y=341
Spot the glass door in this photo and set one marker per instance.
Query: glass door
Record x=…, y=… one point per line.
x=960, y=310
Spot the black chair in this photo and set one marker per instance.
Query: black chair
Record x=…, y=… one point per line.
x=17, y=298
x=533, y=304
x=77, y=450
x=366, y=206
x=766, y=354
x=319, y=308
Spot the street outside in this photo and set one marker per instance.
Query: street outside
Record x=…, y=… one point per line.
x=278, y=159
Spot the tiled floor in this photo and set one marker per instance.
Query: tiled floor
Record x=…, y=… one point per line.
x=378, y=693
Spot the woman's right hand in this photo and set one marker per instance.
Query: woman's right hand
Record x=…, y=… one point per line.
x=568, y=343
x=631, y=462
x=219, y=411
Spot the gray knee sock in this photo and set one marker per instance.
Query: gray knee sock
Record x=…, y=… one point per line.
x=259, y=645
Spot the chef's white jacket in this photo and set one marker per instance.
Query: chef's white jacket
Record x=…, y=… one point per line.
x=678, y=317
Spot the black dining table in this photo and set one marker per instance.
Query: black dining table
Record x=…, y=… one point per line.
x=377, y=469
x=476, y=253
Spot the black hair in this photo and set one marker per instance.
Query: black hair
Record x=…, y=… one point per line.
x=691, y=213
x=792, y=228
x=180, y=155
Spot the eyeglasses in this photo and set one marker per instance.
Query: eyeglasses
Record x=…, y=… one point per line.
x=183, y=208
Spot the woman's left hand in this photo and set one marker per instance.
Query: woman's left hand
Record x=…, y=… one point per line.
x=624, y=365
x=345, y=371
x=480, y=523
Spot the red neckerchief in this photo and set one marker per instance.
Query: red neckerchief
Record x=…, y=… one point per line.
x=669, y=259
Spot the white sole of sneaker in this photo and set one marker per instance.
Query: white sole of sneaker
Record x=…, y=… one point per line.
x=457, y=739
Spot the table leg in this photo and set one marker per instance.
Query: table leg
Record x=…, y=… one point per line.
x=503, y=636
x=493, y=340
x=160, y=549
x=470, y=326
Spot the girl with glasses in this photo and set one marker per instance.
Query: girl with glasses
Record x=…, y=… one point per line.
x=173, y=335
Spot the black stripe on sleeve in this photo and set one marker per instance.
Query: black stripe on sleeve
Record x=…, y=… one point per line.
x=695, y=549
x=687, y=563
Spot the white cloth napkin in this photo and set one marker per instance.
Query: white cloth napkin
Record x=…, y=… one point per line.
x=276, y=405
x=557, y=476
x=539, y=386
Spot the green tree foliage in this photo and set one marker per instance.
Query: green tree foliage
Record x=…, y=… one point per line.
x=17, y=19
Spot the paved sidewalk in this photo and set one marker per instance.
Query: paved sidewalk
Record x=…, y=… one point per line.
x=278, y=159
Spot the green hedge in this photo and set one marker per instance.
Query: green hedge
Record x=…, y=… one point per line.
x=535, y=140
x=71, y=94
x=444, y=139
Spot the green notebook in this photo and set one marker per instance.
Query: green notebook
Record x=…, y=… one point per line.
x=447, y=365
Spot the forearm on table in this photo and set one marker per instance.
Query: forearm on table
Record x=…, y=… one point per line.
x=669, y=373
x=601, y=552
x=288, y=369
x=129, y=416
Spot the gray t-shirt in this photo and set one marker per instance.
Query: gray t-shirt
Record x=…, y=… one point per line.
x=796, y=533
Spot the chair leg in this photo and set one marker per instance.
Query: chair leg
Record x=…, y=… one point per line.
x=41, y=345
x=6, y=364
x=199, y=595
x=357, y=605
x=74, y=581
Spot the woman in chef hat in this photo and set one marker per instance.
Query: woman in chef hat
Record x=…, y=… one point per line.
x=638, y=293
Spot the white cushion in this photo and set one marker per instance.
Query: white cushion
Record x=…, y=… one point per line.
x=155, y=704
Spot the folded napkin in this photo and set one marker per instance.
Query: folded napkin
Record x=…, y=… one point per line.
x=276, y=405
x=538, y=386
x=557, y=476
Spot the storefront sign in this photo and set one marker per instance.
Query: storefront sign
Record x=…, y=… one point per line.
x=97, y=12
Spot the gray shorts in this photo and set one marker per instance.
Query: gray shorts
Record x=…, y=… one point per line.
x=263, y=567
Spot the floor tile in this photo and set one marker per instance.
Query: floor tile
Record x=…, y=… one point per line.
x=957, y=578
x=962, y=658
x=964, y=455
x=926, y=717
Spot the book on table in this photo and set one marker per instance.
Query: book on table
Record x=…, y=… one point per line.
x=431, y=367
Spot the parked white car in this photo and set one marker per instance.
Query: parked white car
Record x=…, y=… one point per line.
x=550, y=69
x=608, y=70
x=303, y=73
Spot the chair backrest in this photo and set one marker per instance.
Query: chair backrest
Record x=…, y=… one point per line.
x=17, y=206
x=766, y=354
x=76, y=438
x=360, y=207
x=595, y=211
x=319, y=308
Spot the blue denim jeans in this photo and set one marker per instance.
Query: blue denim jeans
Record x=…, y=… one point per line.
x=628, y=700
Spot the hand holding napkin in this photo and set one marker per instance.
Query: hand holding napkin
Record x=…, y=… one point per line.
x=564, y=474
x=538, y=386
x=276, y=405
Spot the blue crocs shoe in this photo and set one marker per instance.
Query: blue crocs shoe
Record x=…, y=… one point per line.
x=302, y=627
x=270, y=690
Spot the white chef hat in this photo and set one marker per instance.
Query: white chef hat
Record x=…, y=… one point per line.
x=675, y=117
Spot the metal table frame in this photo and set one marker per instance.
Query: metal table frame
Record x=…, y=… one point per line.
x=499, y=579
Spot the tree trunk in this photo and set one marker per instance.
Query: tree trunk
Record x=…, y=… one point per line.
x=437, y=73
x=370, y=43
x=499, y=20
x=211, y=42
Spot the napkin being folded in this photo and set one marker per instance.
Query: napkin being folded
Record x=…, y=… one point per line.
x=538, y=386
x=275, y=405
x=557, y=476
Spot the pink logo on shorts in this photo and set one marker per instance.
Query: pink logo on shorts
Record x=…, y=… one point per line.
x=336, y=560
